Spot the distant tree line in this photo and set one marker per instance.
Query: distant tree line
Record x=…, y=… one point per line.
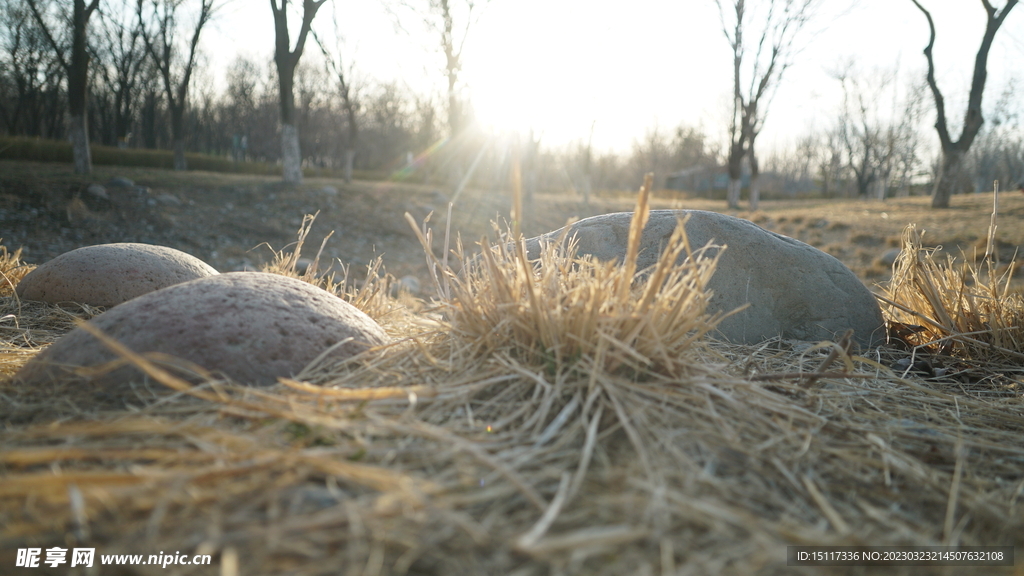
x=135, y=86
x=148, y=88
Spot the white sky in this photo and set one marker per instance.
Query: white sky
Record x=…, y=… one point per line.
x=558, y=66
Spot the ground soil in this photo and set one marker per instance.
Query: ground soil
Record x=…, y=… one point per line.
x=234, y=222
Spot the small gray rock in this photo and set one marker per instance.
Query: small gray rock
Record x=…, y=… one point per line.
x=439, y=197
x=250, y=326
x=410, y=284
x=329, y=190
x=794, y=290
x=120, y=182
x=302, y=265
x=888, y=258
x=109, y=274
x=98, y=191
x=168, y=199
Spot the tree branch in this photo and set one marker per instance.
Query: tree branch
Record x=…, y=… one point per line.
x=49, y=37
x=973, y=119
x=205, y=11
x=940, y=102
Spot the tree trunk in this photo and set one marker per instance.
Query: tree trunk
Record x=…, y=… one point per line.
x=179, y=154
x=78, y=87
x=881, y=187
x=951, y=178
x=286, y=60
x=863, y=185
x=178, y=136
x=735, y=167
x=291, y=158
x=77, y=72
x=78, y=132
x=755, y=179
x=733, y=193
x=123, y=116
x=149, y=106
x=350, y=155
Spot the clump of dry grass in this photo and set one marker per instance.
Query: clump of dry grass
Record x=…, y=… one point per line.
x=957, y=308
x=12, y=270
x=26, y=326
x=561, y=308
x=370, y=296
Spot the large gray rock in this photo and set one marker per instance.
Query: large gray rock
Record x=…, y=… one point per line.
x=109, y=274
x=794, y=290
x=251, y=326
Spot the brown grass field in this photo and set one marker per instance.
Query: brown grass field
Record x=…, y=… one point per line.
x=568, y=421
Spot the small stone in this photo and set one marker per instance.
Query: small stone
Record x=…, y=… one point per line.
x=794, y=290
x=109, y=274
x=409, y=284
x=120, y=182
x=438, y=197
x=302, y=265
x=168, y=199
x=98, y=191
x=888, y=258
x=329, y=190
x=253, y=327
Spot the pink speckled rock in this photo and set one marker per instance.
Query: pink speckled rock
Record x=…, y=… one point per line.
x=109, y=274
x=250, y=326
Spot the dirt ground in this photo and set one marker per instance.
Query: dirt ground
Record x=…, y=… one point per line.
x=234, y=221
x=457, y=452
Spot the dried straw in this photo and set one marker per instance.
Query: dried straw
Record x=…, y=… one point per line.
x=954, y=308
x=543, y=420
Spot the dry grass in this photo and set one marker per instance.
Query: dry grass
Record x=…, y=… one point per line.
x=26, y=326
x=962, y=308
x=370, y=296
x=562, y=309
x=955, y=308
x=12, y=270
x=553, y=419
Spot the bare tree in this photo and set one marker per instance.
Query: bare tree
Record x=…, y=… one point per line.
x=653, y=154
x=124, y=55
x=906, y=157
x=450, y=21
x=287, y=59
x=240, y=103
x=76, y=67
x=443, y=23
x=175, y=71
x=332, y=60
x=870, y=134
x=998, y=152
x=951, y=176
x=583, y=166
x=30, y=76
x=764, y=61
